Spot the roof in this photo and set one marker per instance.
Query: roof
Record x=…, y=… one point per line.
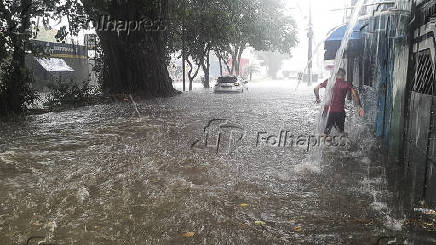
x=54, y=64
x=339, y=33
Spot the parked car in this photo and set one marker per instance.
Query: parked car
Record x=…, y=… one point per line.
x=230, y=84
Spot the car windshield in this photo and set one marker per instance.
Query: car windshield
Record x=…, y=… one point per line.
x=227, y=80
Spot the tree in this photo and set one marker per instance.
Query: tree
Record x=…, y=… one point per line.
x=228, y=27
x=260, y=24
x=134, y=62
x=15, y=32
x=273, y=61
x=200, y=24
x=252, y=69
x=223, y=58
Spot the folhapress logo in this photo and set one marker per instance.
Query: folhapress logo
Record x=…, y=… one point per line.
x=220, y=136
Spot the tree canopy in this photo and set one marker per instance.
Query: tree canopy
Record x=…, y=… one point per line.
x=16, y=20
x=136, y=62
x=228, y=27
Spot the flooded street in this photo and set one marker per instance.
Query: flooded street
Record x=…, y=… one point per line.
x=103, y=175
x=319, y=126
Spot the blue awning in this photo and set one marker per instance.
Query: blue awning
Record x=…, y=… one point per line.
x=339, y=33
x=333, y=42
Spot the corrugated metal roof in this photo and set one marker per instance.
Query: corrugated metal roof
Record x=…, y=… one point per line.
x=54, y=64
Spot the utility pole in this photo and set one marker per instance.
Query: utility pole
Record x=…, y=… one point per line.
x=310, y=37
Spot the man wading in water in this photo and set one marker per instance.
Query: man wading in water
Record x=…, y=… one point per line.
x=335, y=110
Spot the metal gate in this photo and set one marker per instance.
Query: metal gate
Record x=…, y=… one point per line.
x=420, y=130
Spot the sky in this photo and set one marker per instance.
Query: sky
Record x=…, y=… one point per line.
x=324, y=19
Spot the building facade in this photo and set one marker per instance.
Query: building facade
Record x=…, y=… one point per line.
x=394, y=69
x=65, y=62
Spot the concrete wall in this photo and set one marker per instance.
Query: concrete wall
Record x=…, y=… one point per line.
x=401, y=50
x=399, y=93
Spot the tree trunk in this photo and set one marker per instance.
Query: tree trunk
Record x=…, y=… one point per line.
x=191, y=76
x=237, y=67
x=239, y=52
x=225, y=63
x=228, y=68
x=134, y=63
x=221, y=66
x=236, y=58
x=17, y=91
x=238, y=72
x=134, y=68
x=206, y=69
x=234, y=61
x=220, y=60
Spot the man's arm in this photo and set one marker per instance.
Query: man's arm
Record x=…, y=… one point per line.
x=316, y=90
x=357, y=100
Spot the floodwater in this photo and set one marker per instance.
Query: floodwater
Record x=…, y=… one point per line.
x=103, y=175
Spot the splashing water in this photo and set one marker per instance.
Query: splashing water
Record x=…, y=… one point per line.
x=339, y=61
x=316, y=156
x=375, y=187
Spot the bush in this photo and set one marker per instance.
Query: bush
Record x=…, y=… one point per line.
x=70, y=94
x=15, y=92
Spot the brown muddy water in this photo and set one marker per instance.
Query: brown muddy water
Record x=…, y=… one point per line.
x=103, y=175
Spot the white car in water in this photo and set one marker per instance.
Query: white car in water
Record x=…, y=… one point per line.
x=230, y=84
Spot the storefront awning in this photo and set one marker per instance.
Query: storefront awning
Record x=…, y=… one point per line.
x=333, y=42
x=54, y=64
x=339, y=33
